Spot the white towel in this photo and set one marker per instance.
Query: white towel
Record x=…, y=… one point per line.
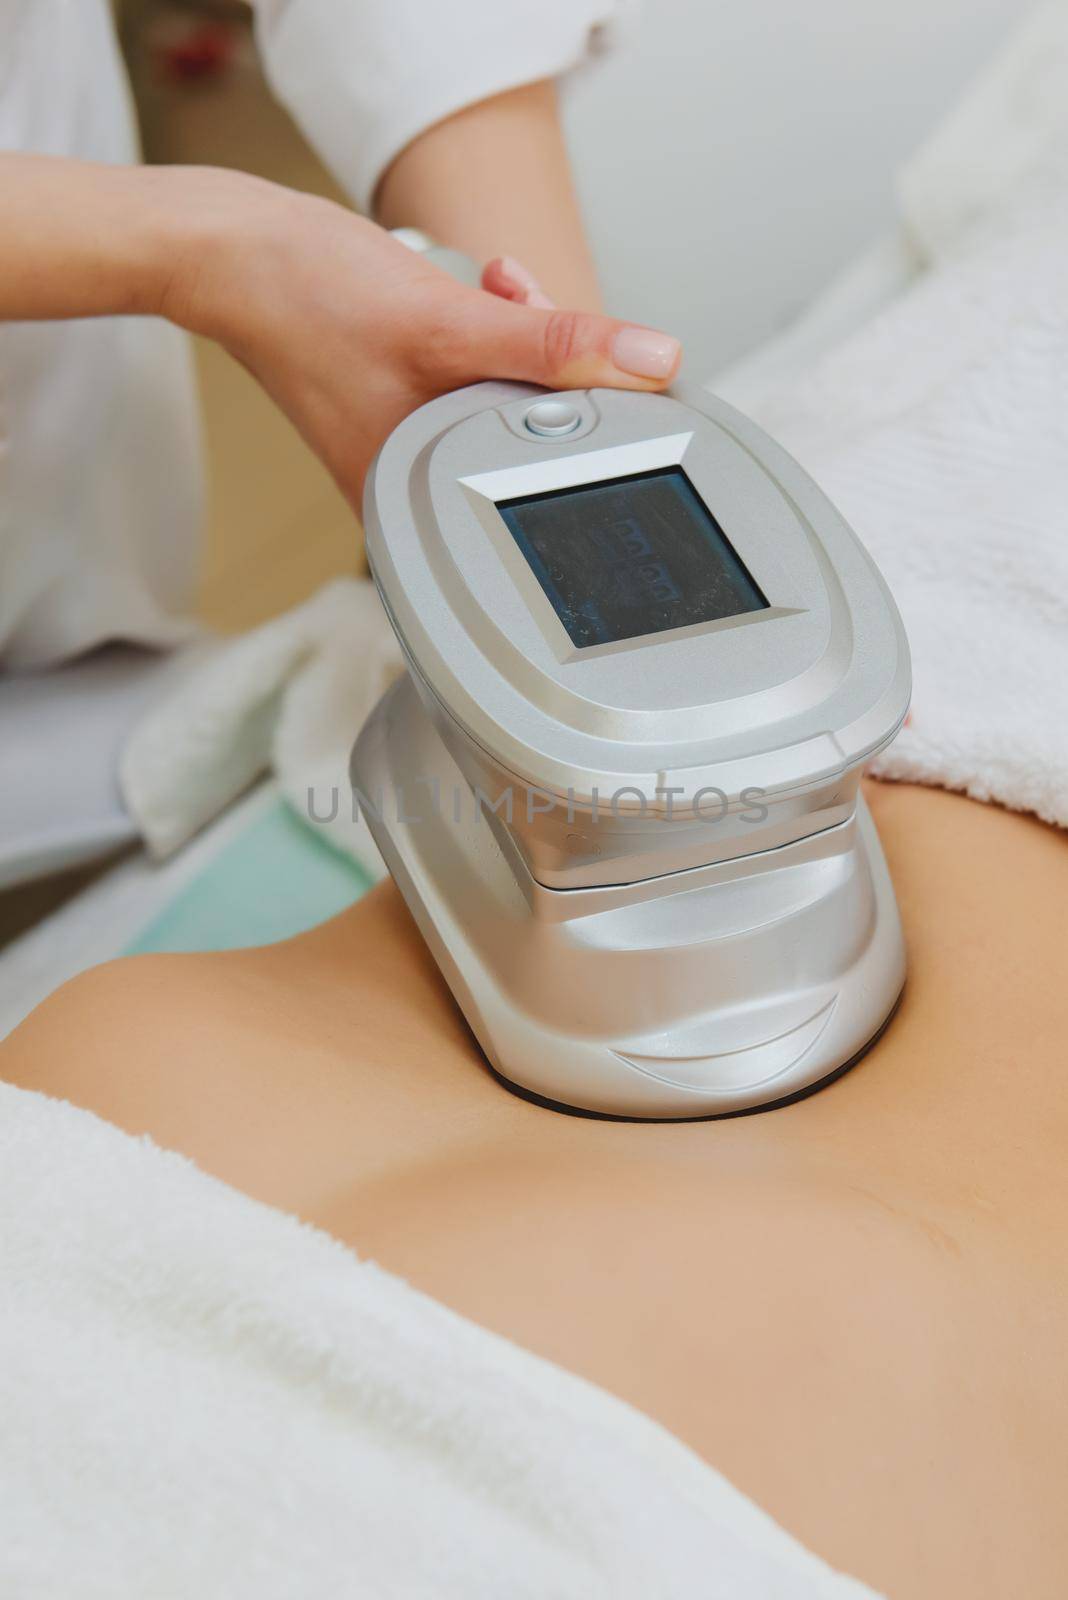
x=202, y=1397
x=1011, y=122
x=941, y=432
x=290, y=696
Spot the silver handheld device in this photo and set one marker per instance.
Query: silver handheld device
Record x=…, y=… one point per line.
x=619, y=787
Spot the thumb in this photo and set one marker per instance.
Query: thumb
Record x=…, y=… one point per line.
x=558, y=349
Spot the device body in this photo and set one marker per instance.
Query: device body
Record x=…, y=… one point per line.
x=619, y=788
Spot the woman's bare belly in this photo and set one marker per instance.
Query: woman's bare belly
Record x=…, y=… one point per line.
x=855, y=1307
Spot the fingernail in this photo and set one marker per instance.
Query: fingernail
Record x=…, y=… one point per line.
x=518, y=274
x=644, y=353
x=529, y=291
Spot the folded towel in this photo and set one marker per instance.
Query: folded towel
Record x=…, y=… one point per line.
x=290, y=696
x=201, y=1396
x=941, y=432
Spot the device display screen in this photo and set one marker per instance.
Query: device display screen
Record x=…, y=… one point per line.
x=630, y=556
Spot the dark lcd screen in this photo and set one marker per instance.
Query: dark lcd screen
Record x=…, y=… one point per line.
x=630, y=556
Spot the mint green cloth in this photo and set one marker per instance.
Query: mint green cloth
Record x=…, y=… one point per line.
x=275, y=879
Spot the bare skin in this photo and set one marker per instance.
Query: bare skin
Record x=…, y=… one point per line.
x=495, y=178
x=855, y=1307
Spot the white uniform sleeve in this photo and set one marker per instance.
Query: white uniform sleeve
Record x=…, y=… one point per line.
x=365, y=77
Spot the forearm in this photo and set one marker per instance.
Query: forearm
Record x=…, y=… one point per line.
x=81, y=239
x=495, y=180
x=87, y=239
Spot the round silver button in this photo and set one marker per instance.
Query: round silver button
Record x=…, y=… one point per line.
x=552, y=417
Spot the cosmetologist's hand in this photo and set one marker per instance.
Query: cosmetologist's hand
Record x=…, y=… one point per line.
x=349, y=331
x=343, y=326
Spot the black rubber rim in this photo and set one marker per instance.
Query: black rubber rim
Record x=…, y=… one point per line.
x=561, y=1106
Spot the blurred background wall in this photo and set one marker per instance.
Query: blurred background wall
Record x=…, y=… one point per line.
x=741, y=151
